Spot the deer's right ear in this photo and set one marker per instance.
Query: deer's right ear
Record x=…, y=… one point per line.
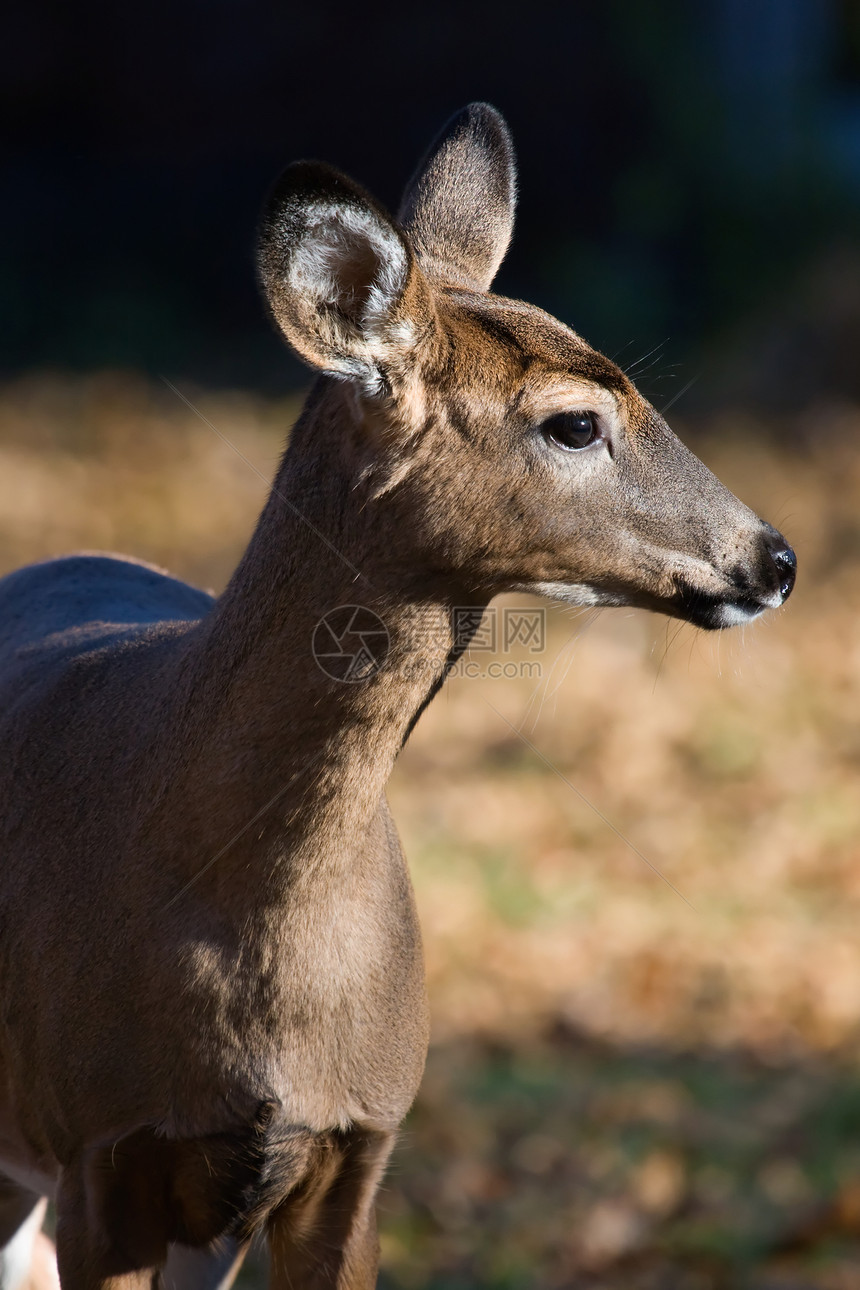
x=334, y=269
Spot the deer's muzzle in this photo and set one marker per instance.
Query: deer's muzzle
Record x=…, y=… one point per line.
x=766, y=583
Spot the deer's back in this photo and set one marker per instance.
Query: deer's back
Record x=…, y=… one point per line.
x=85, y=648
x=79, y=599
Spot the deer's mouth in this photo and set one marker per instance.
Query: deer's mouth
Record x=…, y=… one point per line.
x=735, y=596
x=709, y=611
x=749, y=591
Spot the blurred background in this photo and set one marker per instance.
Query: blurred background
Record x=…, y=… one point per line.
x=636, y=1080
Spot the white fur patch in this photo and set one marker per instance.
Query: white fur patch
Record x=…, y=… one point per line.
x=736, y=615
x=572, y=593
x=338, y=243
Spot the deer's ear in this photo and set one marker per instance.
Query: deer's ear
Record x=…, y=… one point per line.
x=334, y=269
x=458, y=208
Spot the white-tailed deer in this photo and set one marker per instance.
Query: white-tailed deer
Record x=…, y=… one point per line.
x=213, y=1012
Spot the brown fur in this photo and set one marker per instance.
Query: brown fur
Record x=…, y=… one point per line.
x=213, y=1002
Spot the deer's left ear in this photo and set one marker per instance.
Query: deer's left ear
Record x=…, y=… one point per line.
x=458, y=208
x=334, y=269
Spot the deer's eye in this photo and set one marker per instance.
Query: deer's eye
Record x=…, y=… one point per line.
x=571, y=430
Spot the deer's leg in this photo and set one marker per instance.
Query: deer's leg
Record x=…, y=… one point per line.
x=27, y=1259
x=43, y=1266
x=324, y=1238
x=121, y=1206
x=87, y=1257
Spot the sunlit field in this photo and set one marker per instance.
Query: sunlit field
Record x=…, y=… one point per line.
x=637, y=863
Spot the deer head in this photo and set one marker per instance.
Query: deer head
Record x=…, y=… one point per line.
x=497, y=449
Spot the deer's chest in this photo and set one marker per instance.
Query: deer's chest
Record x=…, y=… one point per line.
x=325, y=1002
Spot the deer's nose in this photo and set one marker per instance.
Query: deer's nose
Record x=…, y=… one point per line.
x=784, y=561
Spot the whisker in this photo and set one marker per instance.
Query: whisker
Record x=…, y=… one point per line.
x=629, y=370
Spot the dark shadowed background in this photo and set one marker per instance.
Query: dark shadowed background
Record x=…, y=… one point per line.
x=642, y=1075
x=689, y=173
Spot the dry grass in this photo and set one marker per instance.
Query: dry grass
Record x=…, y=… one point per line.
x=629, y=1086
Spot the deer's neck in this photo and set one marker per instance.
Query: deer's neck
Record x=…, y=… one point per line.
x=293, y=732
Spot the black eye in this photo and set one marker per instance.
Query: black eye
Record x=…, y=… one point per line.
x=571, y=430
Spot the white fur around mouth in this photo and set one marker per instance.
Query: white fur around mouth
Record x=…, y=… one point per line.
x=728, y=614
x=734, y=615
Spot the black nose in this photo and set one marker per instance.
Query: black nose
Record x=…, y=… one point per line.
x=786, y=564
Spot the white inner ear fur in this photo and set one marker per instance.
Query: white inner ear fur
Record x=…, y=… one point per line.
x=352, y=269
